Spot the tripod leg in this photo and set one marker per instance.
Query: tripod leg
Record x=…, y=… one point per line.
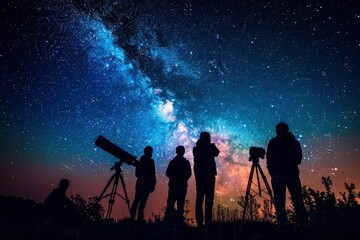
x=112, y=195
x=248, y=192
x=125, y=192
x=266, y=184
x=257, y=166
x=107, y=185
x=101, y=196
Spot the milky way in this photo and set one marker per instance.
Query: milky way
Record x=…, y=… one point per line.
x=160, y=72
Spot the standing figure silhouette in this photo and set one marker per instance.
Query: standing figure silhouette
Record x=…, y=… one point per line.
x=145, y=183
x=205, y=172
x=178, y=172
x=283, y=156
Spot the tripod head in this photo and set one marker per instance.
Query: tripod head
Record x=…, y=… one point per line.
x=254, y=159
x=117, y=167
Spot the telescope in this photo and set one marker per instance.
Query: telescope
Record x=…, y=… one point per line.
x=116, y=151
x=124, y=157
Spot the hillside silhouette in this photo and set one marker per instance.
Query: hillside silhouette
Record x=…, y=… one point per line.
x=329, y=218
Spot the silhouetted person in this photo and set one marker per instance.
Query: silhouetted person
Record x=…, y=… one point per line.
x=145, y=183
x=178, y=172
x=205, y=172
x=283, y=156
x=57, y=206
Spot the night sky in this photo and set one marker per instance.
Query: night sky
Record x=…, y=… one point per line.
x=160, y=72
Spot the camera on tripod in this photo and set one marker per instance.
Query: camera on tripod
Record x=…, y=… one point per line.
x=256, y=153
x=117, y=152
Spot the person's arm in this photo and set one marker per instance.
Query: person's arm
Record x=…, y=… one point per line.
x=140, y=170
x=215, y=150
x=68, y=203
x=153, y=174
x=269, y=152
x=188, y=168
x=298, y=153
x=269, y=156
x=169, y=170
x=195, y=153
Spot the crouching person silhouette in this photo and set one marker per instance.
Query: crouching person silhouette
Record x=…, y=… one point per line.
x=283, y=156
x=145, y=183
x=58, y=208
x=178, y=172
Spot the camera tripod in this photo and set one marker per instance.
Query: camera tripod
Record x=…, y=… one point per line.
x=115, y=179
x=257, y=168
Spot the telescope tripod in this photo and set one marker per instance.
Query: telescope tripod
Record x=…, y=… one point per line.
x=256, y=168
x=115, y=180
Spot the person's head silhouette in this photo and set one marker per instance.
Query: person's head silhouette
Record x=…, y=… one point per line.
x=148, y=150
x=205, y=137
x=180, y=150
x=64, y=184
x=282, y=129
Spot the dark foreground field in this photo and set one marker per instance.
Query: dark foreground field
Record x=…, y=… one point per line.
x=12, y=228
x=22, y=219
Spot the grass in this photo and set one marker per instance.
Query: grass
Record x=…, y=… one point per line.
x=23, y=219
